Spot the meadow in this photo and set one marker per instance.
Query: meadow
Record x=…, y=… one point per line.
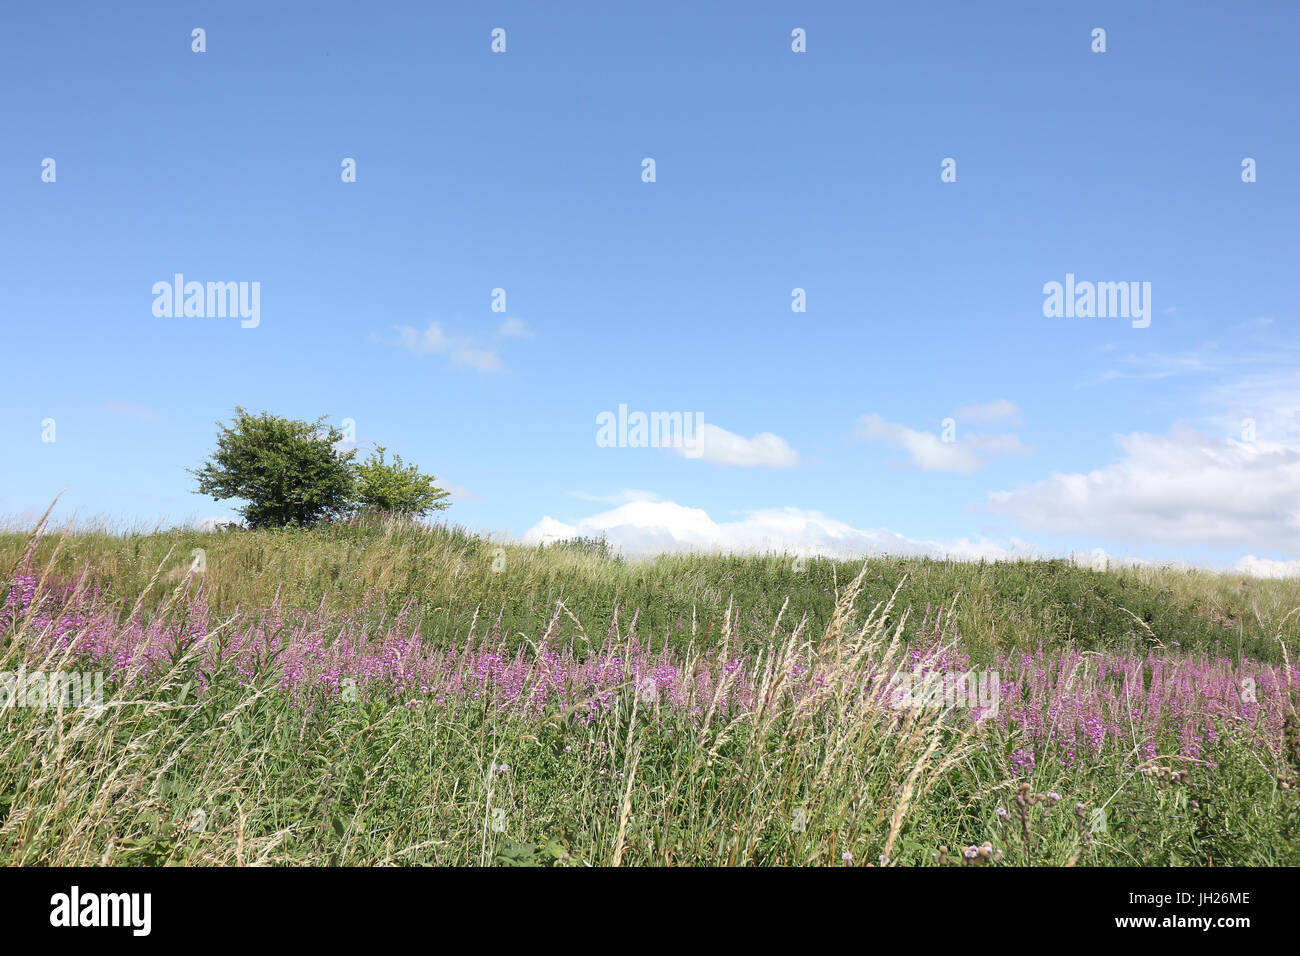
x=390, y=693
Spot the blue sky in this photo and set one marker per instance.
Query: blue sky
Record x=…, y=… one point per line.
x=774, y=170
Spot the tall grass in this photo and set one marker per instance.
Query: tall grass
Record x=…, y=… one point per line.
x=804, y=774
x=456, y=576
x=756, y=747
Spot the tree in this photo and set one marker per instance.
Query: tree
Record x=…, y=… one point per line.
x=288, y=471
x=396, y=488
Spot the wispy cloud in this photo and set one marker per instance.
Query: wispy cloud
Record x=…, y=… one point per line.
x=1248, y=379
x=485, y=360
x=1270, y=399
x=1255, y=346
x=1154, y=366
x=436, y=340
x=966, y=452
x=515, y=329
x=457, y=492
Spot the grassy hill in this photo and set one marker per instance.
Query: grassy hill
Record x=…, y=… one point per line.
x=315, y=697
x=454, y=576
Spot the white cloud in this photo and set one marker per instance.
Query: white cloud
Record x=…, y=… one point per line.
x=1270, y=399
x=652, y=527
x=999, y=410
x=482, y=359
x=435, y=340
x=644, y=527
x=432, y=340
x=1099, y=559
x=764, y=450
x=515, y=329
x=457, y=492
x=1267, y=567
x=1184, y=488
x=930, y=453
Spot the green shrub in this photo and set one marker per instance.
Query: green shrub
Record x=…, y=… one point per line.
x=396, y=488
x=289, y=472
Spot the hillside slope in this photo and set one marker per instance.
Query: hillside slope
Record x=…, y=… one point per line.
x=453, y=576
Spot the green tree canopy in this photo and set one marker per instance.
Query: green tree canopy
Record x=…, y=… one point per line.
x=396, y=488
x=289, y=472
